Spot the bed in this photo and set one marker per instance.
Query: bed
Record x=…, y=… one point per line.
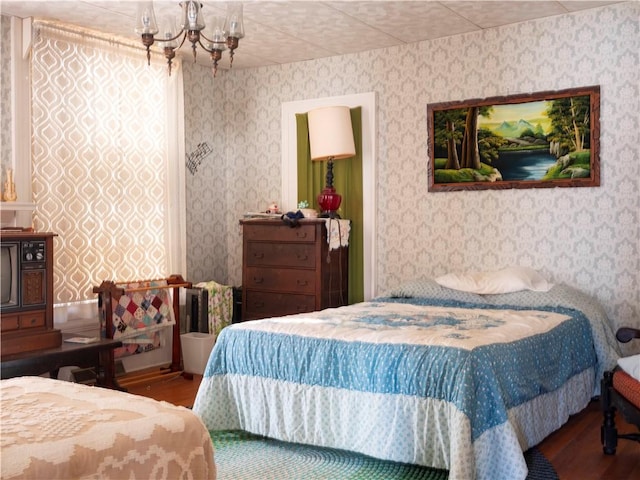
x=426, y=375
x=60, y=430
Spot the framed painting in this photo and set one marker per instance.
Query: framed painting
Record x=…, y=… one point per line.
x=545, y=139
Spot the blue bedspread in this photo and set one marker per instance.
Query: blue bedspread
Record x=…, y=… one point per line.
x=482, y=382
x=285, y=377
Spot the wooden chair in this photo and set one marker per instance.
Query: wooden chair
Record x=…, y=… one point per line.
x=619, y=392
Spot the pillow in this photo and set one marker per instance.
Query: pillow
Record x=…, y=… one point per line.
x=631, y=365
x=507, y=280
x=429, y=289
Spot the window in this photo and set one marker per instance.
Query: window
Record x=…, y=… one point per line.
x=108, y=174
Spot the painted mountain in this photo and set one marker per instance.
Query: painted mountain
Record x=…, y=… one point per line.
x=513, y=129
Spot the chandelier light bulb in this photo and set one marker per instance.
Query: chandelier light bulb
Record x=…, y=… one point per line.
x=146, y=19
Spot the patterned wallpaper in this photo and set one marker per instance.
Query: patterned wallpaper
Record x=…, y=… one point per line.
x=5, y=95
x=585, y=237
x=207, y=195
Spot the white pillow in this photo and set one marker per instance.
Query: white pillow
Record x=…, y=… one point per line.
x=631, y=365
x=507, y=280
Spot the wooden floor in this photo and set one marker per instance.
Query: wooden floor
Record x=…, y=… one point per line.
x=574, y=450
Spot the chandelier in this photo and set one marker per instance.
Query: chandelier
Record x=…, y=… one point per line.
x=220, y=33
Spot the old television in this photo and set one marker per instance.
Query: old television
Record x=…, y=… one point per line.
x=22, y=274
x=9, y=274
x=26, y=292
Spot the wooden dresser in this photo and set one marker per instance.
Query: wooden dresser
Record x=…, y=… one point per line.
x=288, y=270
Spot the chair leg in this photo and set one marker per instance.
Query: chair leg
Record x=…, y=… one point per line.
x=608, y=431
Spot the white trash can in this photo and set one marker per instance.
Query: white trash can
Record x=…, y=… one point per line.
x=196, y=348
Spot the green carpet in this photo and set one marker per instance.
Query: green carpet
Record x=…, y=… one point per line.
x=242, y=456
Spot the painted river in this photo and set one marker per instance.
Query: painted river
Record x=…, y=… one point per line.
x=524, y=164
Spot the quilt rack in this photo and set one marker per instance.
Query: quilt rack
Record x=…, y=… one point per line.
x=109, y=294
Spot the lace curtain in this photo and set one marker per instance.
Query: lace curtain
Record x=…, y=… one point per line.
x=107, y=153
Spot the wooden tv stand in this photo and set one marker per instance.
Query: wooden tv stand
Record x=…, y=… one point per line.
x=27, y=324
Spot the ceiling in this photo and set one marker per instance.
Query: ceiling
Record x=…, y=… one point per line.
x=280, y=32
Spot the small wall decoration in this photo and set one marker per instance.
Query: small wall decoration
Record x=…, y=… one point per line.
x=194, y=159
x=9, y=194
x=545, y=139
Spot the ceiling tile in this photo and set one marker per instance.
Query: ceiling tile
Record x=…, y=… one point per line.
x=319, y=24
x=493, y=14
x=575, y=5
x=408, y=21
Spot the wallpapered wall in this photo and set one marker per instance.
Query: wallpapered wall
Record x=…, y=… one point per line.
x=5, y=95
x=586, y=237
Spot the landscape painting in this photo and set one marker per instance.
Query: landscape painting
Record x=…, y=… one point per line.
x=545, y=139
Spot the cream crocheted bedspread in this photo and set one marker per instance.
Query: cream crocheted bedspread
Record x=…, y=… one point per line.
x=59, y=430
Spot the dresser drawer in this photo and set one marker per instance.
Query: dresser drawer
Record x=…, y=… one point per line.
x=280, y=255
x=264, y=304
x=280, y=233
x=281, y=279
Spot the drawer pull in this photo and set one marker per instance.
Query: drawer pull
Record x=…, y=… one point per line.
x=258, y=304
x=302, y=256
x=258, y=255
x=33, y=321
x=302, y=283
x=258, y=280
x=301, y=234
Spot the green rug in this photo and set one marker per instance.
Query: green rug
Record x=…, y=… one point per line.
x=242, y=456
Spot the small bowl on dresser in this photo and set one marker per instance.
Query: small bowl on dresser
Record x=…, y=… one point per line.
x=309, y=213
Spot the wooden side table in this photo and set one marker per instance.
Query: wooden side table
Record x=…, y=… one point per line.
x=94, y=355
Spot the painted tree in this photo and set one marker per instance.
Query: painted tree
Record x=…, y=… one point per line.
x=470, y=147
x=448, y=135
x=490, y=146
x=570, y=119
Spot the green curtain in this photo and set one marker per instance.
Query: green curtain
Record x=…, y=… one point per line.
x=347, y=180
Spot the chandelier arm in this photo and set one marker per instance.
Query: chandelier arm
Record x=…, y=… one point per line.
x=205, y=48
x=171, y=39
x=206, y=38
x=147, y=41
x=216, y=54
x=182, y=42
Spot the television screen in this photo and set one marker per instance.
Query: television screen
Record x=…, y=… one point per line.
x=6, y=273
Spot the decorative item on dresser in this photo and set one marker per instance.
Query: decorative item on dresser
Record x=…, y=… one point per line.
x=289, y=270
x=27, y=292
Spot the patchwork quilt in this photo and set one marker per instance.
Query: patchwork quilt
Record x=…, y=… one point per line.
x=140, y=314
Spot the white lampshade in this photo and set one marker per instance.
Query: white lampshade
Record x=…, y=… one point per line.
x=330, y=133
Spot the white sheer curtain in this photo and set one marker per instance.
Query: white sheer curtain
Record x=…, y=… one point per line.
x=108, y=160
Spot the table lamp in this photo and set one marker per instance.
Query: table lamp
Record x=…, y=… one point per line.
x=330, y=138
